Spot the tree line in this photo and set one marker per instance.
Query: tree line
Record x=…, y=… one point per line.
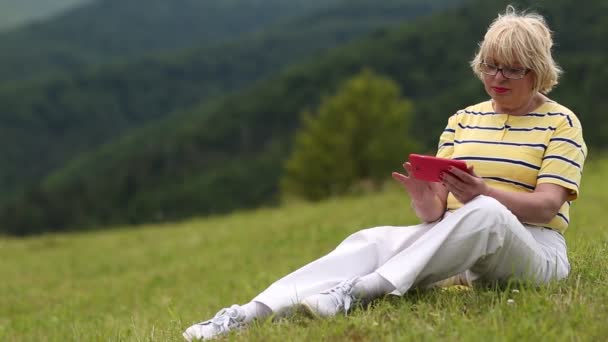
x=49, y=121
x=229, y=153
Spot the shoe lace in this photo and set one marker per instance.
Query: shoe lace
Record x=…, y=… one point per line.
x=343, y=294
x=226, y=319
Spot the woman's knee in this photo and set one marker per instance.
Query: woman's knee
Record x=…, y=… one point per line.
x=366, y=236
x=488, y=217
x=487, y=206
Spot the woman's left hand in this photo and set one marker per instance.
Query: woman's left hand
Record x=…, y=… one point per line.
x=464, y=185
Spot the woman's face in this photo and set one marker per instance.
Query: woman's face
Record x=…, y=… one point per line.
x=509, y=93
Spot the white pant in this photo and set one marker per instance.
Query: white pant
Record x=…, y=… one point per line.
x=482, y=238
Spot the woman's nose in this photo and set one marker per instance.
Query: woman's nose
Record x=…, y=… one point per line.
x=499, y=75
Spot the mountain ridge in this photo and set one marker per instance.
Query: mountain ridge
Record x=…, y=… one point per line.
x=15, y=14
x=92, y=107
x=110, y=30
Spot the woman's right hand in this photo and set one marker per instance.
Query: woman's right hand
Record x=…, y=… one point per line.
x=418, y=189
x=428, y=199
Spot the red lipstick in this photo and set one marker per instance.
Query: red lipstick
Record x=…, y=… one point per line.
x=500, y=90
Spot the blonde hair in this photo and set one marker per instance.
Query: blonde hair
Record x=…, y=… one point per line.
x=521, y=38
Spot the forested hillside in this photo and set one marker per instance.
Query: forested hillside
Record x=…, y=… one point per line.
x=45, y=123
x=14, y=13
x=104, y=30
x=228, y=154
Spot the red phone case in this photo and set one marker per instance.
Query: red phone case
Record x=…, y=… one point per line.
x=429, y=168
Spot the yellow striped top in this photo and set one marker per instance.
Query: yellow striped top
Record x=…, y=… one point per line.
x=515, y=153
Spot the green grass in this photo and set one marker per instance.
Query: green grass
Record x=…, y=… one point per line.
x=149, y=283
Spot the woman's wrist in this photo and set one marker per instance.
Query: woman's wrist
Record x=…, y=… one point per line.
x=418, y=203
x=427, y=210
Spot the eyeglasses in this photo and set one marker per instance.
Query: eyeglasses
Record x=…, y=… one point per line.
x=507, y=72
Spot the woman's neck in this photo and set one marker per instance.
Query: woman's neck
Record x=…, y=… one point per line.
x=534, y=102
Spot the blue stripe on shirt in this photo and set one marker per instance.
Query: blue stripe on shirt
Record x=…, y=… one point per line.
x=480, y=127
x=568, y=141
x=502, y=160
x=563, y=159
x=515, y=129
x=498, y=143
x=572, y=142
x=562, y=114
x=567, y=116
x=558, y=177
x=510, y=128
x=476, y=113
x=510, y=181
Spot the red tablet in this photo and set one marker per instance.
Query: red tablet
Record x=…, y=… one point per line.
x=429, y=168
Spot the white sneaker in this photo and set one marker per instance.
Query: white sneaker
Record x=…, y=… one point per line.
x=330, y=302
x=223, y=322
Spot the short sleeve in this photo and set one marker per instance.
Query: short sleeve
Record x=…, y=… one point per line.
x=445, y=148
x=564, y=158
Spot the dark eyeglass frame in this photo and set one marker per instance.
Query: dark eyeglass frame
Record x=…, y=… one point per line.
x=511, y=73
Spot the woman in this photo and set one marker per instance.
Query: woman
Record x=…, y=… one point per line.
x=503, y=219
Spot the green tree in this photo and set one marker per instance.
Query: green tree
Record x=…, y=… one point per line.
x=359, y=134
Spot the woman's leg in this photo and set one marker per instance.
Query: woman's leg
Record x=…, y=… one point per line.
x=358, y=255
x=485, y=237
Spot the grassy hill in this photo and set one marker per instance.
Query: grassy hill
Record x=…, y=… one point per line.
x=15, y=13
x=149, y=283
x=102, y=31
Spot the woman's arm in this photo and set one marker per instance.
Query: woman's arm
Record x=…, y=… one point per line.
x=539, y=206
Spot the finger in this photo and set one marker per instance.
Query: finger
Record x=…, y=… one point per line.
x=400, y=177
x=453, y=191
x=452, y=182
x=408, y=167
x=472, y=171
x=464, y=176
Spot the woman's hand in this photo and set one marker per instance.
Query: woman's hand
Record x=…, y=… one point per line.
x=464, y=185
x=419, y=190
x=428, y=199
